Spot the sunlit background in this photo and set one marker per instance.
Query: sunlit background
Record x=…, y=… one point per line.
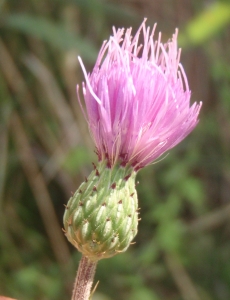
x=182, y=249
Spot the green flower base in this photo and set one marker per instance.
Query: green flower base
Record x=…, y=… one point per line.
x=101, y=218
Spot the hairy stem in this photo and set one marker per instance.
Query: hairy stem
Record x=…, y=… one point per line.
x=84, y=279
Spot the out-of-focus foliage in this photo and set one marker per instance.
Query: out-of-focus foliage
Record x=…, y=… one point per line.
x=182, y=250
x=50, y=32
x=209, y=22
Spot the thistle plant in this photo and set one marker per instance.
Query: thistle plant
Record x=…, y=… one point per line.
x=137, y=101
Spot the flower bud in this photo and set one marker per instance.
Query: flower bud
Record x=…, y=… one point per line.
x=101, y=218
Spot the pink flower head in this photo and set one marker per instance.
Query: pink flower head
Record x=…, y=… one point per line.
x=137, y=98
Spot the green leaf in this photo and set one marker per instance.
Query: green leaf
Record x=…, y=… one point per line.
x=75, y=159
x=193, y=191
x=53, y=33
x=169, y=235
x=31, y=281
x=143, y=293
x=206, y=25
x=119, y=12
x=168, y=210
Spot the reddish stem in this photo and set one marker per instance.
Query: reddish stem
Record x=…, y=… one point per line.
x=84, y=279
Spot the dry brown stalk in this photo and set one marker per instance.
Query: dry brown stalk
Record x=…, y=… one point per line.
x=41, y=194
x=181, y=277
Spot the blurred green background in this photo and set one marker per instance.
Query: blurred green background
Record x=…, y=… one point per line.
x=182, y=250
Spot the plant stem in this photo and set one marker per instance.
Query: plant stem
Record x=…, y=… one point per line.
x=84, y=279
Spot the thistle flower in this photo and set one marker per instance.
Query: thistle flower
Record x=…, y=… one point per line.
x=138, y=107
x=137, y=98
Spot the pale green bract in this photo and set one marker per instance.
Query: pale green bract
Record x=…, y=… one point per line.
x=101, y=218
